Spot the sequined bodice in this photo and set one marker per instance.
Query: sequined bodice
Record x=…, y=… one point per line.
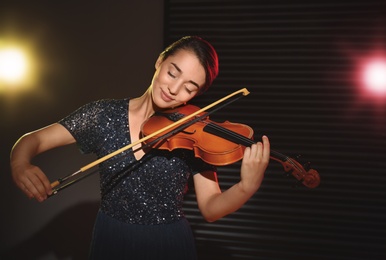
x=145, y=191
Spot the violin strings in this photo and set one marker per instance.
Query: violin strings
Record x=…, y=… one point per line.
x=245, y=140
x=241, y=138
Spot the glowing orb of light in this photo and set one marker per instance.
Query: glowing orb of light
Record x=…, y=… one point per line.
x=374, y=76
x=13, y=65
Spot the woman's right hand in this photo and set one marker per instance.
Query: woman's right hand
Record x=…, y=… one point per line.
x=31, y=180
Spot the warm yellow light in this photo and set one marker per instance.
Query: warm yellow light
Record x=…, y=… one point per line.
x=13, y=65
x=20, y=69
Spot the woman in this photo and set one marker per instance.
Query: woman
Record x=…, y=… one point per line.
x=140, y=215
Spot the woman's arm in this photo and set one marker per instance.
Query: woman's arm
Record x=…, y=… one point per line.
x=215, y=204
x=29, y=178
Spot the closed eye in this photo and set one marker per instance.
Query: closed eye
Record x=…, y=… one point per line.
x=179, y=71
x=189, y=91
x=171, y=74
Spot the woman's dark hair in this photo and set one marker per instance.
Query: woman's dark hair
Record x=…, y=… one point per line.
x=204, y=51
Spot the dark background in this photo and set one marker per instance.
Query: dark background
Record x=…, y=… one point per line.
x=299, y=60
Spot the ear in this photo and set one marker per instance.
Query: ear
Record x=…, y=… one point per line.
x=158, y=63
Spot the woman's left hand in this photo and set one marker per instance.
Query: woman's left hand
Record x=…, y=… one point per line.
x=254, y=164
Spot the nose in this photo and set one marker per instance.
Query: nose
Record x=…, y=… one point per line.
x=171, y=92
x=173, y=89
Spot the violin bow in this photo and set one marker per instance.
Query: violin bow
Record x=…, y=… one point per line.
x=55, y=184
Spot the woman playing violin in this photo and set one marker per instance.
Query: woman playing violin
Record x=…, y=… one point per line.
x=140, y=214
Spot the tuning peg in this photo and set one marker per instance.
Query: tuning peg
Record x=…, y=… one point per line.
x=302, y=161
x=307, y=166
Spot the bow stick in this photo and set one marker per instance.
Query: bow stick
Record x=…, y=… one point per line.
x=59, y=181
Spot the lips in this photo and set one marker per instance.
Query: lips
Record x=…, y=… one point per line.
x=165, y=97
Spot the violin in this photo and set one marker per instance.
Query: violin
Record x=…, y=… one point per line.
x=188, y=127
x=215, y=143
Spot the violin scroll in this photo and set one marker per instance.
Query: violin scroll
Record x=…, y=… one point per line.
x=309, y=178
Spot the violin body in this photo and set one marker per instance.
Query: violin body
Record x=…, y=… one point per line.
x=210, y=148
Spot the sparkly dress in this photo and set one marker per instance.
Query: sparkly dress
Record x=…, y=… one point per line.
x=140, y=215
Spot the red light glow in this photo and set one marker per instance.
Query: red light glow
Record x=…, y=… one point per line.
x=371, y=77
x=374, y=76
x=365, y=79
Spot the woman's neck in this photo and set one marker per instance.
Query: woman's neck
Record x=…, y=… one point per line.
x=143, y=106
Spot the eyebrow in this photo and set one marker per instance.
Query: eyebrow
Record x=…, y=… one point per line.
x=179, y=70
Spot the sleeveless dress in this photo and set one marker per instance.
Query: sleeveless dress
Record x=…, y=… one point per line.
x=140, y=215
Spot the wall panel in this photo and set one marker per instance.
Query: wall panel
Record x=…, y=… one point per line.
x=299, y=61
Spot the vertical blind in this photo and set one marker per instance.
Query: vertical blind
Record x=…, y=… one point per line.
x=300, y=61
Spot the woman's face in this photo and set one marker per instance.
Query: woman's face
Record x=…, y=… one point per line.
x=177, y=79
